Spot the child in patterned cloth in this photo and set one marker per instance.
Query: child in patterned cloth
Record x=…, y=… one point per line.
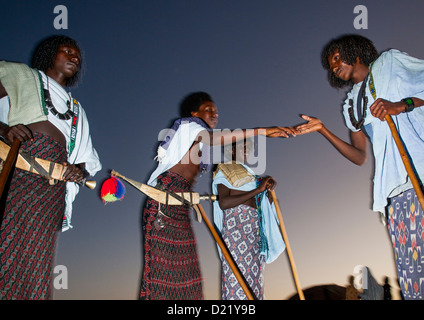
x=247, y=221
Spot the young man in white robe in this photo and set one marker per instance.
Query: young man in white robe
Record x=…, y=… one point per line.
x=388, y=84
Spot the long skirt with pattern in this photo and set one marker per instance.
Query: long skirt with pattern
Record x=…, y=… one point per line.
x=240, y=234
x=33, y=216
x=171, y=264
x=406, y=228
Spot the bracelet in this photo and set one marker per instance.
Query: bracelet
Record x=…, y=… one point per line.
x=409, y=104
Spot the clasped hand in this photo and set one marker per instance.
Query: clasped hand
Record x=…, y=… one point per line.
x=381, y=108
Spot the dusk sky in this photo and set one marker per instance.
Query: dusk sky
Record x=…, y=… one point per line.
x=260, y=61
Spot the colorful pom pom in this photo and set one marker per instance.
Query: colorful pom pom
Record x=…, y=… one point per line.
x=112, y=190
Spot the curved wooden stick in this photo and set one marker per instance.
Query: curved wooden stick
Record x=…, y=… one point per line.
x=406, y=161
x=226, y=254
x=289, y=252
x=9, y=163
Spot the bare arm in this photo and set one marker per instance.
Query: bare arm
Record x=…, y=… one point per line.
x=354, y=151
x=224, y=137
x=381, y=107
x=228, y=200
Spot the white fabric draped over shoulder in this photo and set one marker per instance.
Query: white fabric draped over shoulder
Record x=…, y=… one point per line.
x=177, y=143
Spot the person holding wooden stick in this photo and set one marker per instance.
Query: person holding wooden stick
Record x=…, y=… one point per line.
x=246, y=217
x=171, y=266
x=387, y=86
x=36, y=110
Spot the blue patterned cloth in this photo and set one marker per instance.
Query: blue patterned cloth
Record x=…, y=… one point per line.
x=406, y=228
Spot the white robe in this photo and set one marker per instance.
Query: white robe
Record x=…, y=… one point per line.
x=396, y=76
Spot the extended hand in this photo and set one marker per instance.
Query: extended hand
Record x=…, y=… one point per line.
x=313, y=124
x=284, y=132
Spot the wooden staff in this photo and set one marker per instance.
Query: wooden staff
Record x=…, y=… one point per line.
x=405, y=160
x=289, y=252
x=226, y=254
x=8, y=164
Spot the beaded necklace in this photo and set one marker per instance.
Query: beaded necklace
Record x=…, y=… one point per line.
x=362, y=99
x=46, y=101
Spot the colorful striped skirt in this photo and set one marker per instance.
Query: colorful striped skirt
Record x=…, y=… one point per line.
x=240, y=233
x=406, y=229
x=171, y=264
x=33, y=215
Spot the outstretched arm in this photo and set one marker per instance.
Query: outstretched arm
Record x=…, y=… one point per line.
x=224, y=137
x=354, y=151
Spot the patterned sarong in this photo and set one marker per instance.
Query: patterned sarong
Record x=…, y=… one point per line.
x=240, y=233
x=33, y=216
x=171, y=264
x=406, y=228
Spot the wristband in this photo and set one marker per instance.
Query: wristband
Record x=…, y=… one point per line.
x=409, y=104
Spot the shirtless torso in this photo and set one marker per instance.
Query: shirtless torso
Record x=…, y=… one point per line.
x=49, y=129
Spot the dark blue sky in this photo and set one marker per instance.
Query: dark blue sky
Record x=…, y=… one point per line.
x=260, y=61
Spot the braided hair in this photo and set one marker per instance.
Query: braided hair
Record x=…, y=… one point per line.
x=46, y=51
x=350, y=47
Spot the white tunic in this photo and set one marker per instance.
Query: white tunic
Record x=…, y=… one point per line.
x=396, y=75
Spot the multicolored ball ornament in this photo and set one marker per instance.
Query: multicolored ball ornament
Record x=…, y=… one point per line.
x=112, y=190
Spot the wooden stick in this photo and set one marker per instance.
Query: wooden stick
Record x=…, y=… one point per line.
x=406, y=161
x=8, y=164
x=226, y=254
x=289, y=252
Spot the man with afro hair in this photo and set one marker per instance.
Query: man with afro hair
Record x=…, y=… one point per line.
x=391, y=83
